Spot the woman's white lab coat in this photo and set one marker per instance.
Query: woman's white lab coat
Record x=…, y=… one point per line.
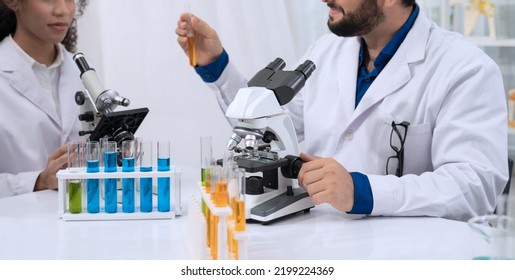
x=30, y=126
x=449, y=90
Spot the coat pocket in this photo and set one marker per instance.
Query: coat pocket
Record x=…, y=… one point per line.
x=417, y=145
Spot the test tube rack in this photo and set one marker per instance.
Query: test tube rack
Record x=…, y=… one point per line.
x=198, y=231
x=80, y=174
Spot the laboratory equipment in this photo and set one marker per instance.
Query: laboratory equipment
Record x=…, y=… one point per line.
x=498, y=230
x=64, y=213
x=75, y=163
x=110, y=184
x=93, y=185
x=163, y=184
x=128, y=154
x=145, y=183
x=190, y=38
x=206, y=156
x=268, y=138
x=218, y=232
x=97, y=109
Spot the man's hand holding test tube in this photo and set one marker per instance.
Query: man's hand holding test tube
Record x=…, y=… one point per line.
x=199, y=41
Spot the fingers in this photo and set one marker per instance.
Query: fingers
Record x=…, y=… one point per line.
x=311, y=164
x=59, y=163
x=306, y=157
x=200, y=26
x=327, y=181
x=62, y=150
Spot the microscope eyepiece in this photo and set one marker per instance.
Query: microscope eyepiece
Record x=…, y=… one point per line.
x=277, y=64
x=306, y=68
x=81, y=62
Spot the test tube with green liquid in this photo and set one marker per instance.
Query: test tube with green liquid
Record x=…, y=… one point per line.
x=75, y=157
x=206, y=160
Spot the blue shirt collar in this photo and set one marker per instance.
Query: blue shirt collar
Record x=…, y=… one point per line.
x=391, y=48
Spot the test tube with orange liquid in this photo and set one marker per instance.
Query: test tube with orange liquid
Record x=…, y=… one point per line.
x=191, y=38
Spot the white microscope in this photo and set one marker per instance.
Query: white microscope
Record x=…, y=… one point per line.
x=262, y=120
x=97, y=108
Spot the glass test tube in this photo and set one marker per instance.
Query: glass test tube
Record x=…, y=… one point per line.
x=128, y=154
x=206, y=158
x=145, y=165
x=75, y=158
x=232, y=185
x=163, y=184
x=220, y=195
x=177, y=186
x=103, y=143
x=240, y=201
x=214, y=174
x=110, y=185
x=190, y=37
x=93, y=185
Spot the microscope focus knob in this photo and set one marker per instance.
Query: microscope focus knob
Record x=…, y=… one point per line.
x=80, y=98
x=87, y=116
x=291, y=170
x=254, y=185
x=269, y=137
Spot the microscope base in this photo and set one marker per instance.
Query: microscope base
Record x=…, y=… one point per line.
x=287, y=203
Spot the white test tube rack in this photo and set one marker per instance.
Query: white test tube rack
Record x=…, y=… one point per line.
x=197, y=230
x=80, y=174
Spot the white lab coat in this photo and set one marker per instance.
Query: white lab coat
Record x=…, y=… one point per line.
x=30, y=126
x=448, y=89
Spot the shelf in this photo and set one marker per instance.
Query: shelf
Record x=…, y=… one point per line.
x=490, y=42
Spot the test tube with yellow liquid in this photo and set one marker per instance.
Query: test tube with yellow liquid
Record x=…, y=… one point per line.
x=191, y=38
x=239, y=205
x=221, y=197
x=236, y=183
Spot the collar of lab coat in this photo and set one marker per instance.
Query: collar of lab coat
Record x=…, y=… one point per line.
x=397, y=72
x=22, y=78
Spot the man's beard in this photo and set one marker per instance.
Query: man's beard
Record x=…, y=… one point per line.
x=358, y=23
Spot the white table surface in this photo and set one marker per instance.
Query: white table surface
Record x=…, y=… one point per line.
x=30, y=229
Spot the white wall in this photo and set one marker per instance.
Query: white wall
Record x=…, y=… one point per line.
x=132, y=45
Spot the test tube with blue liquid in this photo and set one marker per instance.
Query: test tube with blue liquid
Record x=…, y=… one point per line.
x=128, y=154
x=163, y=184
x=110, y=185
x=93, y=185
x=75, y=158
x=145, y=164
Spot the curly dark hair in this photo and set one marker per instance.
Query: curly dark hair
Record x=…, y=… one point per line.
x=8, y=24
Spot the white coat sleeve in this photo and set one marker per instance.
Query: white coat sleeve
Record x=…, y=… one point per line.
x=16, y=184
x=227, y=86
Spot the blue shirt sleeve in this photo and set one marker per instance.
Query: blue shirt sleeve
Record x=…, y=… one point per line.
x=363, y=199
x=211, y=72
